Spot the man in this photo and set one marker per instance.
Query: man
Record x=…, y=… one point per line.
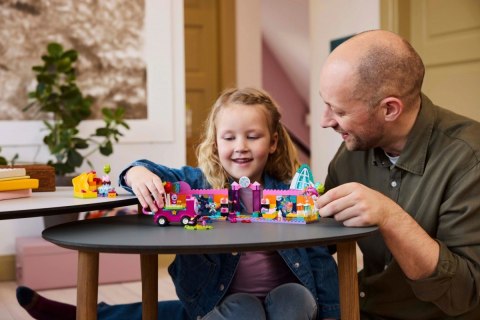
x=412, y=169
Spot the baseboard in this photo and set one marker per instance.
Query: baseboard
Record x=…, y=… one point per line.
x=7, y=269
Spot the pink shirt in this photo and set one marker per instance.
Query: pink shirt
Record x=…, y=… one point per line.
x=259, y=272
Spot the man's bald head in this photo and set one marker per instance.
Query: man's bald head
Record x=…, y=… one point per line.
x=382, y=64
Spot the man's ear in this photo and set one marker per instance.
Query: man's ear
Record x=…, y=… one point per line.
x=273, y=143
x=392, y=108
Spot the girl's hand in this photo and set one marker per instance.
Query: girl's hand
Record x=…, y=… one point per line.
x=147, y=186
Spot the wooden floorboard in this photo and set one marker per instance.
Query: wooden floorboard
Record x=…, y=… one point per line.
x=117, y=293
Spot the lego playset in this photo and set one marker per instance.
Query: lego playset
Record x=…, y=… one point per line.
x=243, y=201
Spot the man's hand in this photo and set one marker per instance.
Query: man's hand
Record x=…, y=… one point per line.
x=147, y=186
x=356, y=205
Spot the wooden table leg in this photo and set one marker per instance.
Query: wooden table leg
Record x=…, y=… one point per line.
x=149, y=266
x=348, y=280
x=87, y=285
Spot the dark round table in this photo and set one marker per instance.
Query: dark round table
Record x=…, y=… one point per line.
x=138, y=234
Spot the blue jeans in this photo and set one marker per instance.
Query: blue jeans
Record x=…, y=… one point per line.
x=290, y=301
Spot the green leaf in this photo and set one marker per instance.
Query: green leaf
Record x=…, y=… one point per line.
x=106, y=149
x=45, y=79
x=80, y=143
x=107, y=113
x=102, y=132
x=55, y=49
x=71, y=55
x=64, y=65
x=119, y=112
x=74, y=158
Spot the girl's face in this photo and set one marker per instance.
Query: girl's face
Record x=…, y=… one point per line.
x=244, y=141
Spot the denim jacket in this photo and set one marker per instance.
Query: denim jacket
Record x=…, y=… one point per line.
x=202, y=280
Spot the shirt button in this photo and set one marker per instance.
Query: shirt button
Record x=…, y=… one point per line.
x=393, y=184
x=199, y=317
x=234, y=253
x=296, y=265
x=222, y=287
x=362, y=294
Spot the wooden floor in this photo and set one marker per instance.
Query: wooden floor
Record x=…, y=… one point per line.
x=110, y=293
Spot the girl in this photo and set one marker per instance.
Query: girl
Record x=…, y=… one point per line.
x=243, y=137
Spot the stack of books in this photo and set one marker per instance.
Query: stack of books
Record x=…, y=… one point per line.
x=14, y=183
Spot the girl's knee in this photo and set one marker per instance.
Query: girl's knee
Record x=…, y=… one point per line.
x=291, y=297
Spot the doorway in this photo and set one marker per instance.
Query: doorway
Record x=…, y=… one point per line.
x=446, y=34
x=209, y=62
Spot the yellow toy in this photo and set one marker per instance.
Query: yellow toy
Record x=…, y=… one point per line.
x=86, y=185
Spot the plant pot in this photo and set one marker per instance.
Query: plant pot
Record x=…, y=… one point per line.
x=50, y=221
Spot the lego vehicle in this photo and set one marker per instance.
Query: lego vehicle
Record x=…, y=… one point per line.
x=185, y=214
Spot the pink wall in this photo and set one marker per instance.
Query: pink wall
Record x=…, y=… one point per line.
x=292, y=107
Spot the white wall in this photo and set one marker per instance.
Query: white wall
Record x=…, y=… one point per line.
x=331, y=19
x=249, y=43
x=289, y=42
x=160, y=138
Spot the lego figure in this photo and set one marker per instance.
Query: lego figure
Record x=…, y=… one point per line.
x=173, y=198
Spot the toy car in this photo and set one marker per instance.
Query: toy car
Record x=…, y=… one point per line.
x=177, y=213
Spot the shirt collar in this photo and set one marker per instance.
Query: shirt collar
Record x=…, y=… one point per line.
x=414, y=156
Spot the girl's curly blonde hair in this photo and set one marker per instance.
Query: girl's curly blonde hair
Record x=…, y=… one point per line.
x=281, y=165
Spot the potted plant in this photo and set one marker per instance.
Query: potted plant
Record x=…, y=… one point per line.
x=58, y=95
x=3, y=161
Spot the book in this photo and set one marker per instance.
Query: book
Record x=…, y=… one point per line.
x=14, y=194
x=17, y=184
x=14, y=178
x=12, y=172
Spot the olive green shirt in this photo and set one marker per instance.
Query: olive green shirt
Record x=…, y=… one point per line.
x=437, y=181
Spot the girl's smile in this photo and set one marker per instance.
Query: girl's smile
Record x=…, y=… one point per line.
x=242, y=160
